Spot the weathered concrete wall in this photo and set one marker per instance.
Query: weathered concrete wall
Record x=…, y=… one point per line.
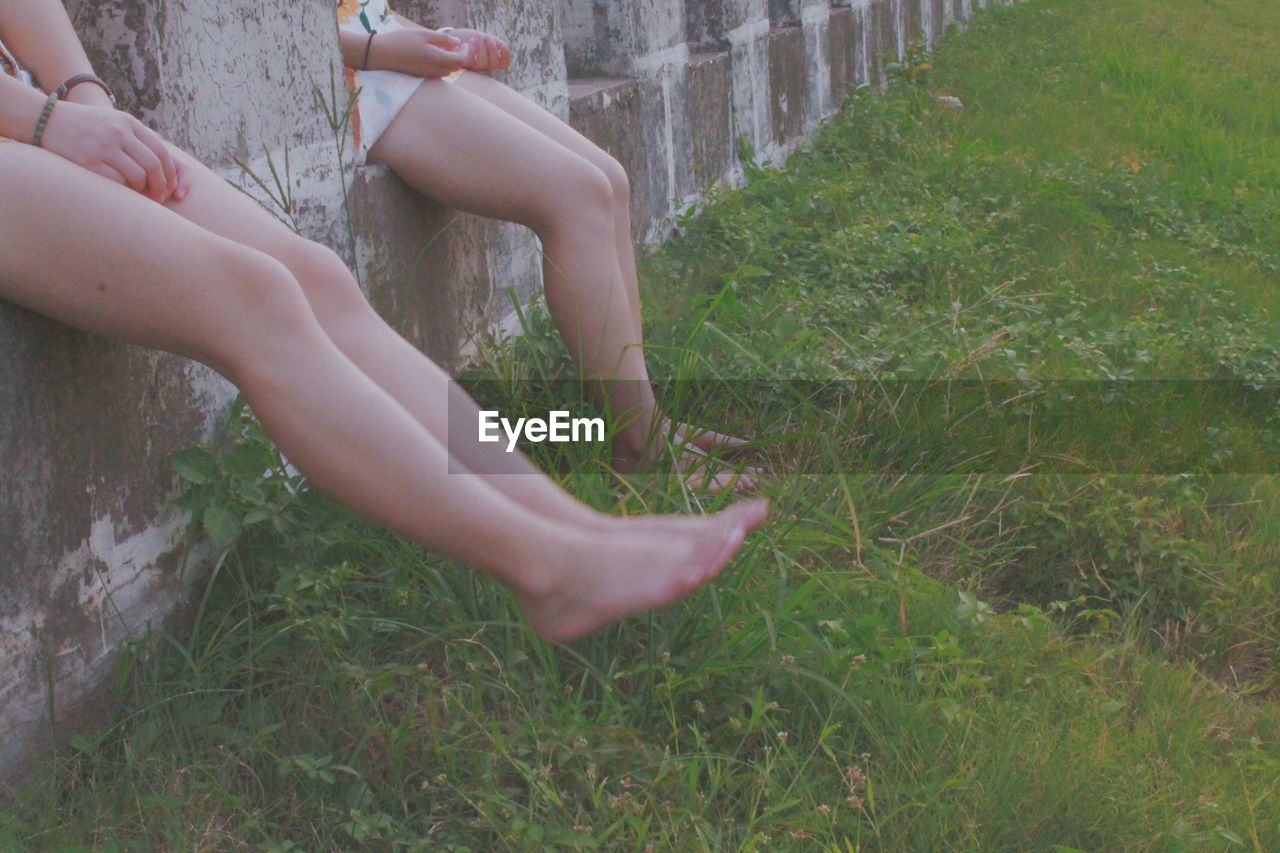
x=91, y=548
x=90, y=545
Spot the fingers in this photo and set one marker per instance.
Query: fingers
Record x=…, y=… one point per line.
x=474, y=51
x=489, y=53
x=135, y=176
x=439, y=62
x=156, y=182
x=162, y=152
x=445, y=41
x=164, y=176
x=182, y=184
x=502, y=54
x=109, y=173
x=481, y=54
x=183, y=171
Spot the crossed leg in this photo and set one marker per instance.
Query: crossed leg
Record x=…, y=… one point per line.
x=114, y=263
x=478, y=146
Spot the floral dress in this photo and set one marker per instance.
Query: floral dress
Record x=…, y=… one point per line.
x=382, y=94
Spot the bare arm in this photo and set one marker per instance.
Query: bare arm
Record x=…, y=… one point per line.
x=40, y=34
x=484, y=52
x=85, y=129
x=20, y=106
x=352, y=45
x=418, y=51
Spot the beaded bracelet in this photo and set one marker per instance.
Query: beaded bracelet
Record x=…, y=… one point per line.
x=49, y=103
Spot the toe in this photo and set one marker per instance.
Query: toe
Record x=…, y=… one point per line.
x=750, y=514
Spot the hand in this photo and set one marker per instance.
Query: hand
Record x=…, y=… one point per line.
x=421, y=52
x=115, y=145
x=182, y=181
x=91, y=95
x=487, y=53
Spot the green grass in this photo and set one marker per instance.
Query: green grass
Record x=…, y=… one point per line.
x=974, y=621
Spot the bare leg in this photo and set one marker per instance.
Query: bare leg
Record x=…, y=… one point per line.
x=417, y=383
x=115, y=263
x=461, y=150
x=537, y=118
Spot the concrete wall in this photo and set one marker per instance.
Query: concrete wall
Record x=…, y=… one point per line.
x=91, y=549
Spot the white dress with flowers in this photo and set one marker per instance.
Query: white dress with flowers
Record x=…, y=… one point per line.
x=381, y=94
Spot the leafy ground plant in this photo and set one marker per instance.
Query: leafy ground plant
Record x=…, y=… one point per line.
x=1009, y=366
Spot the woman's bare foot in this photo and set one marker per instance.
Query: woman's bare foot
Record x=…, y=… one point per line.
x=699, y=469
x=701, y=457
x=709, y=440
x=603, y=576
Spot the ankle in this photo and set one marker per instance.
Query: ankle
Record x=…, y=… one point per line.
x=641, y=445
x=543, y=568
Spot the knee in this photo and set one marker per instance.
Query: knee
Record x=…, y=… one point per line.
x=261, y=313
x=593, y=189
x=326, y=280
x=580, y=199
x=619, y=183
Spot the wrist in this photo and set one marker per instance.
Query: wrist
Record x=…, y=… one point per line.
x=42, y=120
x=20, y=107
x=89, y=96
